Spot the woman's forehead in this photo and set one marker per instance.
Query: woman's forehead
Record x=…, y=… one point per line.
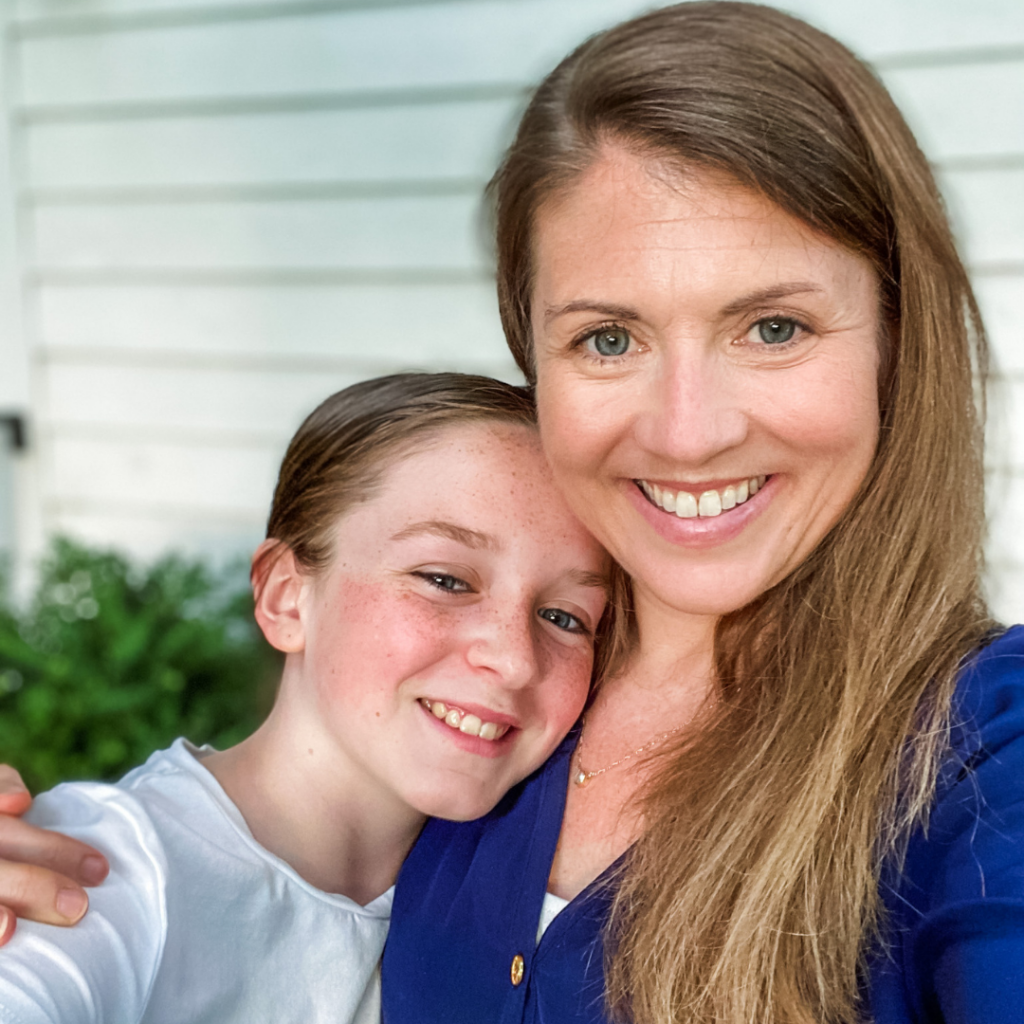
x=623, y=232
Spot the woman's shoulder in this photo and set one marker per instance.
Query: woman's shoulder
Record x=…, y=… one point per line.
x=955, y=905
x=988, y=707
x=973, y=845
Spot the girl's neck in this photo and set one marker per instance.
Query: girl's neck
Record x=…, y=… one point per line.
x=309, y=805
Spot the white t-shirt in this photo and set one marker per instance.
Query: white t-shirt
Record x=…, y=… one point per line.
x=196, y=921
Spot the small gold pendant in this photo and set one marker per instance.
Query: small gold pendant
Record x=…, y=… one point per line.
x=581, y=779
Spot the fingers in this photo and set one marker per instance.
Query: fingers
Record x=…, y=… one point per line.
x=39, y=894
x=14, y=796
x=24, y=843
x=7, y=924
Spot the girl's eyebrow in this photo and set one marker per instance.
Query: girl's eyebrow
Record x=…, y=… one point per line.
x=584, y=578
x=450, y=531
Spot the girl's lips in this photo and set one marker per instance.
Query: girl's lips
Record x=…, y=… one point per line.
x=448, y=723
x=701, y=532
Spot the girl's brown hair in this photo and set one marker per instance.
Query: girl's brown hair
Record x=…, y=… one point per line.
x=345, y=446
x=752, y=894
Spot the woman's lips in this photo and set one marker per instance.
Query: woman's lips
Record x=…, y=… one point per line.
x=706, y=501
x=705, y=520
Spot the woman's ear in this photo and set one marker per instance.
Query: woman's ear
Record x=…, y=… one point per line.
x=278, y=584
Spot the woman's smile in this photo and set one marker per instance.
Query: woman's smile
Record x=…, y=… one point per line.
x=702, y=515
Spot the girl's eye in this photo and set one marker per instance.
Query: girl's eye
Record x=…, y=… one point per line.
x=609, y=341
x=562, y=620
x=446, y=582
x=776, y=330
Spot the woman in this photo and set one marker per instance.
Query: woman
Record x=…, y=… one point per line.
x=725, y=263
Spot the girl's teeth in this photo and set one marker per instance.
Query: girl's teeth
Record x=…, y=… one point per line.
x=471, y=725
x=710, y=503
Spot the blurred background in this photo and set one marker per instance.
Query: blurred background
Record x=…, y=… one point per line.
x=213, y=213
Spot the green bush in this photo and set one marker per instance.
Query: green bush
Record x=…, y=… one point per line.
x=111, y=662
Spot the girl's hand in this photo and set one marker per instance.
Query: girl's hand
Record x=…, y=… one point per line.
x=41, y=872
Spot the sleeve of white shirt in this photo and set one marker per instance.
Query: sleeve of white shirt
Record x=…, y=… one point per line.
x=102, y=970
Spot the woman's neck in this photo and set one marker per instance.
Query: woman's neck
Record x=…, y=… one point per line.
x=309, y=805
x=662, y=690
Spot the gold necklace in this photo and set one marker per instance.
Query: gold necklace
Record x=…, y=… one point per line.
x=581, y=776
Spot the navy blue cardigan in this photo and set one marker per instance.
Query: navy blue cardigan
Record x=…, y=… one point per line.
x=469, y=896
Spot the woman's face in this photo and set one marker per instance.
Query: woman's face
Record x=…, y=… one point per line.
x=707, y=377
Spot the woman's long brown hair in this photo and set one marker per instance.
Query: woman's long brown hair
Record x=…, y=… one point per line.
x=752, y=895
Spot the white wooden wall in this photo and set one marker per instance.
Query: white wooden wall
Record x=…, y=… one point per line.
x=221, y=210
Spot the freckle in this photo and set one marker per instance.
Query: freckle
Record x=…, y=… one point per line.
x=378, y=714
x=311, y=750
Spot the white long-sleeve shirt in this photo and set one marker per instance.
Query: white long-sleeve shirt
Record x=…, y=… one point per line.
x=196, y=922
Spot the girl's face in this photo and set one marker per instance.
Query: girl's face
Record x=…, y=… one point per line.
x=707, y=377
x=448, y=647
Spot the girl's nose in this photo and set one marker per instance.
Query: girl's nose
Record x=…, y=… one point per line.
x=504, y=644
x=692, y=409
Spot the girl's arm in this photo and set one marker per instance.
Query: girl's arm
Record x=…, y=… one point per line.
x=41, y=872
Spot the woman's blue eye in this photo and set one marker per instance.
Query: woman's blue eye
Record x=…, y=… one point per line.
x=776, y=330
x=562, y=619
x=612, y=341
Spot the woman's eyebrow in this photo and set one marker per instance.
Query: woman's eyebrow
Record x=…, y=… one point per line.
x=773, y=294
x=591, y=306
x=450, y=531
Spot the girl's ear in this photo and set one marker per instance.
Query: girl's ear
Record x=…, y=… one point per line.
x=278, y=585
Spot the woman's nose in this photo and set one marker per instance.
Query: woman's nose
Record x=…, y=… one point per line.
x=505, y=644
x=692, y=409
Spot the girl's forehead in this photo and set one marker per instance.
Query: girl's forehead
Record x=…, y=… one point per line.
x=477, y=451
x=483, y=476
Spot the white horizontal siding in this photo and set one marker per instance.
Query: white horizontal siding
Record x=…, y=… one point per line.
x=420, y=142
x=987, y=207
x=312, y=326
x=264, y=406
x=230, y=208
x=149, y=532
x=1001, y=298
x=356, y=50
x=932, y=99
x=366, y=234
x=186, y=479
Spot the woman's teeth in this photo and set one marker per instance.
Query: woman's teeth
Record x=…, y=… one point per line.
x=708, y=504
x=469, y=724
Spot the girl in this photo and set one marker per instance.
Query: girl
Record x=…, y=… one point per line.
x=437, y=604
